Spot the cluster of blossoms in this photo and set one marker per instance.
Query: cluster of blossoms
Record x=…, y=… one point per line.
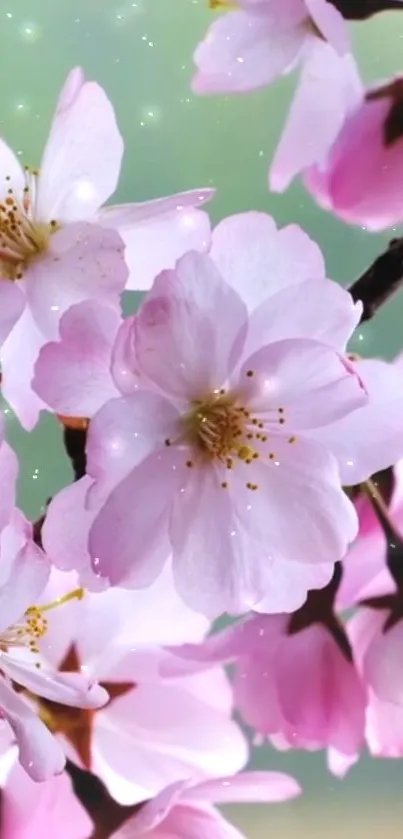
x=230, y=455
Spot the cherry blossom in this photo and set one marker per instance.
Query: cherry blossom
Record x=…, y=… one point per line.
x=154, y=730
x=297, y=686
x=56, y=243
x=358, y=178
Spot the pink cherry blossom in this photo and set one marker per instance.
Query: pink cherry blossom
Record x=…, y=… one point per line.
x=155, y=730
x=149, y=435
x=250, y=46
x=358, y=179
x=56, y=242
x=25, y=572
x=300, y=689
x=186, y=811
x=32, y=811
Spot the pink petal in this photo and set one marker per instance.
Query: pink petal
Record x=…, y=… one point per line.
x=126, y=431
x=296, y=312
x=151, y=813
x=84, y=261
x=330, y=23
x=328, y=90
x=81, y=162
x=39, y=752
x=369, y=439
x=156, y=233
x=286, y=596
x=12, y=305
x=382, y=665
x=330, y=707
x=72, y=375
x=128, y=540
x=29, y=571
x=32, y=811
x=300, y=488
x=281, y=258
x=160, y=733
x=124, y=366
x=18, y=357
x=182, y=313
x=73, y=689
x=244, y=51
x=65, y=532
x=266, y=787
x=183, y=821
x=360, y=176
x=8, y=477
x=308, y=381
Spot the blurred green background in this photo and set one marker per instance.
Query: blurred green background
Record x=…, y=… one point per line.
x=141, y=52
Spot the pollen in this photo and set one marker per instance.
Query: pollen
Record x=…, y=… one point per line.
x=22, y=237
x=35, y=624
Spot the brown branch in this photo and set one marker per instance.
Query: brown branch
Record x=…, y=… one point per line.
x=105, y=813
x=362, y=9
x=381, y=280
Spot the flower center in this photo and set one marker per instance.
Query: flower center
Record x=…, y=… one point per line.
x=219, y=429
x=34, y=626
x=22, y=238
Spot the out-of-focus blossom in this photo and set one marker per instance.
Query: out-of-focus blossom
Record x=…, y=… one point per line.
x=217, y=428
x=186, y=811
x=32, y=811
x=154, y=730
x=359, y=178
x=258, y=40
x=298, y=688
x=57, y=247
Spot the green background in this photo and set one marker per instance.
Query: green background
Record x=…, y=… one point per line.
x=141, y=52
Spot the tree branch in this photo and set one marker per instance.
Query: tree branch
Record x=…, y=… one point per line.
x=381, y=280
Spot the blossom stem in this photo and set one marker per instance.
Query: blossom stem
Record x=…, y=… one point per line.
x=394, y=553
x=381, y=280
x=106, y=814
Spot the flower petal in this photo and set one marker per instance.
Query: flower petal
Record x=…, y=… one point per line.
x=65, y=532
x=128, y=540
x=370, y=438
x=81, y=162
x=39, y=752
x=8, y=477
x=18, y=356
x=258, y=260
x=382, y=665
x=72, y=375
x=299, y=384
x=296, y=312
x=183, y=312
x=267, y=787
x=124, y=432
x=29, y=571
x=73, y=689
x=84, y=261
x=244, y=51
x=329, y=89
x=12, y=305
x=156, y=233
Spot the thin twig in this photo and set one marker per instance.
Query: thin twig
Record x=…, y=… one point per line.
x=381, y=280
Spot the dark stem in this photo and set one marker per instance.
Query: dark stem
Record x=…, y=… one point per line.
x=75, y=440
x=394, y=551
x=319, y=608
x=362, y=9
x=106, y=814
x=382, y=279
